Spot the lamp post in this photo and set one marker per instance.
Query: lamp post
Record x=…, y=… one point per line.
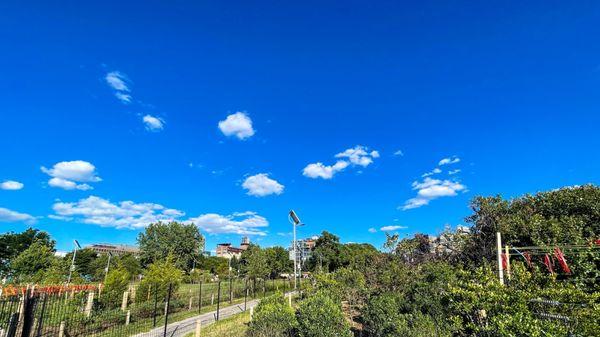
x=77, y=245
x=295, y=223
x=107, y=267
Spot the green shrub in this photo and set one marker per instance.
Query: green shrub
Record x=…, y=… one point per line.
x=321, y=316
x=382, y=317
x=117, y=282
x=273, y=318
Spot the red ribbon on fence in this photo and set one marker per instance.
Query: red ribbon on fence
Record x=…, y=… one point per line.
x=561, y=260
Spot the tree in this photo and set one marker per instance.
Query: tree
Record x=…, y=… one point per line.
x=183, y=241
x=278, y=261
x=12, y=244
x=320, y=316
x=33, y=260
x=255, y=262
x=215, y=265
x=273, y=318
x=161, y=275
x=117, y=282
x=326, y=253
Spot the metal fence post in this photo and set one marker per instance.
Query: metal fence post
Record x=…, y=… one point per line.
x=41, y=319
x=167, y=309
x=246, y=294
x=200, y=298
x=155, y=306
x=230, y=292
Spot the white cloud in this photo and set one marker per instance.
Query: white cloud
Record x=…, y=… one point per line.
x=11, y=185
x=449, y=160
x=246, y=223
x=7, y=215
x=399, y=153
x=372, y=230
x=261, y=185
x=391, y=228
x=68, y=174
x=318, y=170
x=68, y=184
x=430, y=189
x=454, y=172
x=238, y=125
x=153, y=123
x=117, y=81
x=356, y=156
x=125, y=214
x=436, y=170
x=120, y=84
x=359, y=155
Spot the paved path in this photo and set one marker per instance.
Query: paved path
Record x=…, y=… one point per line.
x=184, y=327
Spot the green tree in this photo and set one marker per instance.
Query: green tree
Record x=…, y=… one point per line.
x=278, y=261
x=161, y=275
x=33, y=261
x=84, y=262
x=327, y=253
x=255, y=262
x=12, y=244
x=183, y=241
x=117, y=282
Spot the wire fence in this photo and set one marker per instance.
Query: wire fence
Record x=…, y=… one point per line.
x=150, y=312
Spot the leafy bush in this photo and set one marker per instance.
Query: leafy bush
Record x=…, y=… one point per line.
x=321, y=316
x=159, y=277
x=117, y=282
x=273, y=318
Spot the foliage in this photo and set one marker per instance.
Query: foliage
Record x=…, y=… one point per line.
x=319, y=315
x=326, y=255
x=117, y=282
x=84, y=262
x=273, y=318
x=352, y=285
x=31, y=263
x=278, y=261
x=255, y=264
x=159, y=276
x=13, y=244
x=214, y=265
x=160, y=239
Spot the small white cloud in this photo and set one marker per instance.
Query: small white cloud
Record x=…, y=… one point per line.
x=68, y=174
x=261, y=185
x=125, y=214
x=125, y=98
x=7, y=215
x=359, y=155
x=11, y=185
x=238, y=124
x=117, y=80
x=431, y=189
x=434, y=171
x=356, y=156
x=246, y=223
x=372, y=230
x=453, y=172
x=68, y=184
x=399, y=153
x=449, y=161
x=391, y=228
x=153, y=123
x=318, y=170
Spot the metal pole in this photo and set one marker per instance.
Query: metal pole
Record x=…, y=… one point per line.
x=200, y=298
x=155, y=304
x=246, y=294
x=295, y=255
x=107, y=266
x=230, y=293
x=499, y=255
x=72, y=265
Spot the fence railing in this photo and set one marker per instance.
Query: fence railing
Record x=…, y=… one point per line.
x=145, y=312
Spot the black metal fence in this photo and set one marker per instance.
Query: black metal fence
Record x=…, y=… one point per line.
x=165, y=311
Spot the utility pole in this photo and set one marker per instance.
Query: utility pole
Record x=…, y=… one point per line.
x=72, y=268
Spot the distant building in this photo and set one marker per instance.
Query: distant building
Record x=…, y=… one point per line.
x=105, y=248
x=228, y=251
x=304, y=248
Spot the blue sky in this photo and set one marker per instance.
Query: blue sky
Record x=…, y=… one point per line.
x=115, y=114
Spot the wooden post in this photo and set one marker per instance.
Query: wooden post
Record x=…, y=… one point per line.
x=290, y=299
x=499, y=250
x=61, y=330
x=251, y=313
x=128, y=317
x=190, y=306
x=89, y=304
x=124, y=303
x=212, y=299
x=198, y=328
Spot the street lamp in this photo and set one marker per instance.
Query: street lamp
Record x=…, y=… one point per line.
x=295, y=223
x=77, y=245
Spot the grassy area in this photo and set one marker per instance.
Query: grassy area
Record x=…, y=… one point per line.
x=234, y=326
